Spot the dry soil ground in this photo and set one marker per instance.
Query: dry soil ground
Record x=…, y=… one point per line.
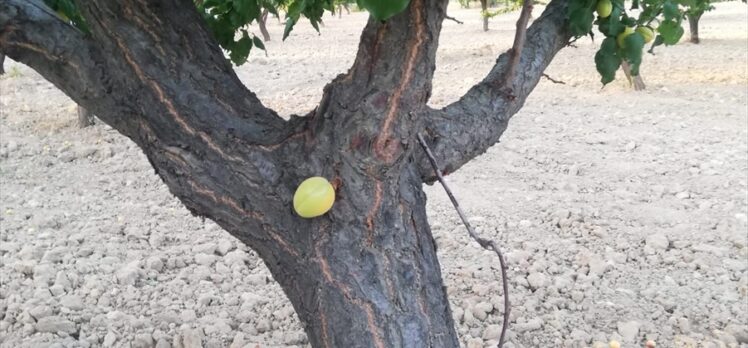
x=623, y=213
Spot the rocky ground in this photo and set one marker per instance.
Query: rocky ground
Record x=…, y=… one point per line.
x=623, y=214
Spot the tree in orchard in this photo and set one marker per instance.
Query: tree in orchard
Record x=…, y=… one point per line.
x=365, y=274
x=694, y=13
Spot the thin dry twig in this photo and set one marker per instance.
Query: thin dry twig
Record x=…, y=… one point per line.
x=519, y=43
x=453, y=19
x=484, y=243
x=553, y=80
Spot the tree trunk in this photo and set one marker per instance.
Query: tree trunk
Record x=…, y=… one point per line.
x=85, y=118
x=2, y=64
x=262, y=23
x=484, y=13
x=693, y=24
x=342, y=6
x=636, y=81
x=365, y=274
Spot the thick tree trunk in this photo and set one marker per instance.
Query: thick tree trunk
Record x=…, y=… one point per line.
x=693, y=24
x=365, y=274
x=262, y=23
x=484, y=13
x=636, y=81
x=85, y=118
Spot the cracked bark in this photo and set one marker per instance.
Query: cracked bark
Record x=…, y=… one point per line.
x=364, y=275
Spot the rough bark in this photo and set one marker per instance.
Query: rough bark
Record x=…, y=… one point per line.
x=636, y=81
x=468, y=127
x=85, y=118
x=364, y=275
x=262, y=23
x=693, y=24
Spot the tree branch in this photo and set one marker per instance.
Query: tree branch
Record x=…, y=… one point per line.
x=484, y=243
x=32, y=34
x=453, y=19
x=166, y=84
x=519, y=42
x=469, y=126
x=549, y=78
x=164, y=44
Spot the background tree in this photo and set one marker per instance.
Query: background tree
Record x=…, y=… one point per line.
x=366, y=274
x=343, y=4
x=694, y=14
x=262, y=24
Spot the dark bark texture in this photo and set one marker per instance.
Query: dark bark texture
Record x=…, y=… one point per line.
x=364, y=275
x=693, y=24
x=2, y=64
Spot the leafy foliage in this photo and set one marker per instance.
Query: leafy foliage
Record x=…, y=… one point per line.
x=67, y=10
x=227, y=18
x=617, y=24
x=383, y=9
x=229, y=21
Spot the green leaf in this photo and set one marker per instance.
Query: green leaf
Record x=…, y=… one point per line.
x=314, y=24
x=248, y=10
x=240, y=49
x=670, y=10
x=632, y=51
x=671, y=32
x=384, y=9
x=580, y=21
x=289, y=26
x=611, y=26
x=607, y=60
x=258, y=43
x=628, y=21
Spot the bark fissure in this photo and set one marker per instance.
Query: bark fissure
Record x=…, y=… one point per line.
x=347, y=293
x=382, y=145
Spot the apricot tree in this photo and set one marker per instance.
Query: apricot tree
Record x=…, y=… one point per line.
x=366, y=273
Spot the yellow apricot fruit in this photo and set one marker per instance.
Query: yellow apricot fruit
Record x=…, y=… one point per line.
x=314, y=197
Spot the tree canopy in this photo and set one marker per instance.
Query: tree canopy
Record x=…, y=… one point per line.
x=626, y=31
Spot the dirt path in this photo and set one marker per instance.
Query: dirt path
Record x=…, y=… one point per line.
x=624, y=214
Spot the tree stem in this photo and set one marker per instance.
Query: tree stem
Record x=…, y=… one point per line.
x=484, y=243
x=519, y=43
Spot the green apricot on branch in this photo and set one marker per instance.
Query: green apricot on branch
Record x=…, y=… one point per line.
x=604, y=8
x=647, y=33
